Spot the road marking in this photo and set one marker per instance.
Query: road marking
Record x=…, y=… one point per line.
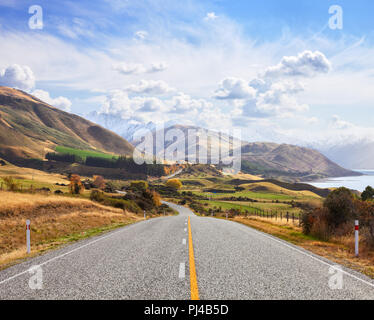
x=313, y=257
x=185, y=229
x=66, y=253
x=193, y=278
x=182, y=271
x=184, y=241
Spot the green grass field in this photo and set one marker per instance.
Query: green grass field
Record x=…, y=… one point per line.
x=248, y=194
x=83, y=153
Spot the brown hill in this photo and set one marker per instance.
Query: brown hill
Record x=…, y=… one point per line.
x=29, y=128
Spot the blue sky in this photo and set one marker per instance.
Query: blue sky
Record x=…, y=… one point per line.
x=196, y=62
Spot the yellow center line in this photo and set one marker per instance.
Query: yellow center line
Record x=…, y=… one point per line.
x=193, y=278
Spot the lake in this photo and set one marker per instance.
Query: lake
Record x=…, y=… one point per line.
x=356, y=183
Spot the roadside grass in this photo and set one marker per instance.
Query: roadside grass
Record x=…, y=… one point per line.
x=84, y=153
x=55, y=220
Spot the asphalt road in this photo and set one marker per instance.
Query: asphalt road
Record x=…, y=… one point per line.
x=151, y=260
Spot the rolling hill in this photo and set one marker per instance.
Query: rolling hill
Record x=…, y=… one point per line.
x=29, y=128
x=270, y=160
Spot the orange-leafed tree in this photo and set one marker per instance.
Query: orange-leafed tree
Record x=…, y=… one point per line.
x=99, y=182
x=76, y=186
x=156, y=198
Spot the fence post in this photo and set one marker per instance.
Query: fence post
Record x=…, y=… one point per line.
x=28, y=244
x=293, y=218
x=227, y=215
x=287, y=216
x=356, y=237
x=144, y=215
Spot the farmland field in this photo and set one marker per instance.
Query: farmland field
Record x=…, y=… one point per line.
x=83, y=153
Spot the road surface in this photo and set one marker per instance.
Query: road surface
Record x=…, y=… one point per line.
x=152, y=260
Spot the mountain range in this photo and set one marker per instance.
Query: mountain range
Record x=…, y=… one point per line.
x=30, y=128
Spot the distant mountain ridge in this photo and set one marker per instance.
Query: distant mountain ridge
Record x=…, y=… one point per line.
x=29, y=128
x=271, y=160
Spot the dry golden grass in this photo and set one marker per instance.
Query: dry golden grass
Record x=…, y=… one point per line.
x=31, y=174
x=55, y=220
x=338, y=249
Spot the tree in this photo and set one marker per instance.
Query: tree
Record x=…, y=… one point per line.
x=340, y=204
x=99, y=182
x=76, y=186
x=11, y=184
x=368, y=194
x=174, y=183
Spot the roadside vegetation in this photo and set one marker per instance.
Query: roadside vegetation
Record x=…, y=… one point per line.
x=66, y=208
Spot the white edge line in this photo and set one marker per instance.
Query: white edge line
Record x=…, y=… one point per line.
x=184, y=241
x=64, y=254
x=313, y=257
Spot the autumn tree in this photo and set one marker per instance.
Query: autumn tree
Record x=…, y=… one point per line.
x=99, y=182
x=174, y=183
x=76, y=186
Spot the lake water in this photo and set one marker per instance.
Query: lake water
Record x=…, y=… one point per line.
x=355, y=183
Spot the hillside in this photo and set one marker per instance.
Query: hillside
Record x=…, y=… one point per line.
x=29, y=128
x=289, y=160
x=271, y=160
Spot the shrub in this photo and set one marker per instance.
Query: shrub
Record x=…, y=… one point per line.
x=11, y=184
x=176, y=184
x=139, y=185
x=76, y=186
x=97, y=195
x=368, y=194
x=99, y=182
x=340, y=205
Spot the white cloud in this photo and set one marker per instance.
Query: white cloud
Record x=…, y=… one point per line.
x=141, y=34
x=305, y=64
x=338, y=123
x=210, y=16
x=150, y=87
x=16, y=76
x=59, y=102
x=138, y=68
x=232, y=88
x=129, y=68
x=157, y=67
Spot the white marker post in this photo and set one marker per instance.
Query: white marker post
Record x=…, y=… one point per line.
x=356, y=237
x=28, y=244
x=144, y=214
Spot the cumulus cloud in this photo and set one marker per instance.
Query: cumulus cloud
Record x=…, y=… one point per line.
x=274, y=92
x=138, y=68
x=184, y=103
x=150, y=87
x=59, y=102
x=210, y=16
x=305, y=64
x=16, y=76
x=233, y=88
x=129, y=68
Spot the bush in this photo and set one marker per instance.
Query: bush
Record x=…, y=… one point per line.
x=315, y=223
x=340, y=205
x=139, y=185
x=368, y=194
x=11, y=184
x=76, y=186
x=97, y=195
x=176, y=184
